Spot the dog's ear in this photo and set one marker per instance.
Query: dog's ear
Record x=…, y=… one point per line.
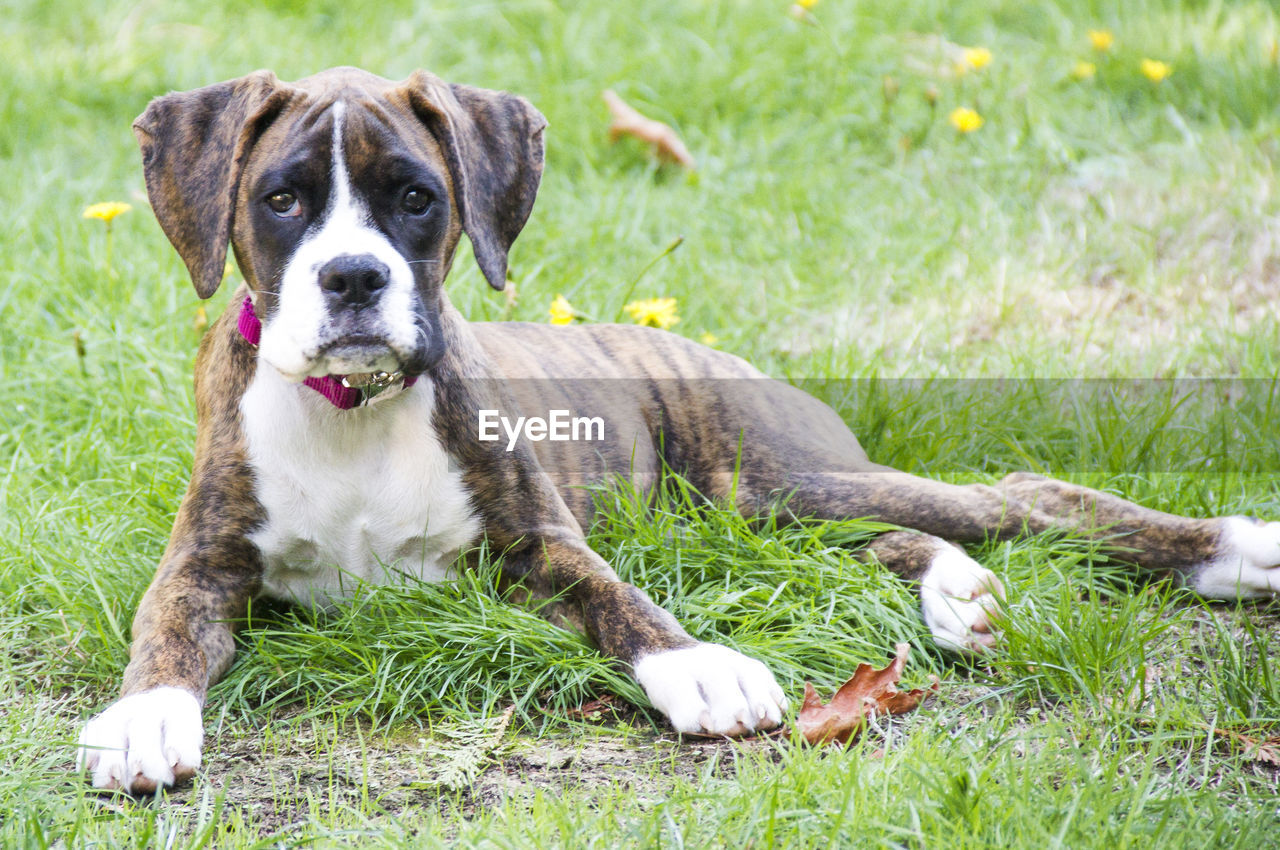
x=493, y=144
x=194, y=147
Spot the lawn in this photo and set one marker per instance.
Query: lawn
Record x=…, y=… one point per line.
x=1087, y=284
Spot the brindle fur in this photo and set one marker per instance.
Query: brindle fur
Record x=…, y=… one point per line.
x=671, y=403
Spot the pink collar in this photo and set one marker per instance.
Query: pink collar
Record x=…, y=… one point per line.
x=332, y=387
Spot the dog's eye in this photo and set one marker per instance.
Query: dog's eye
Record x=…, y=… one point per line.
x=415, y=201
x=284, y=204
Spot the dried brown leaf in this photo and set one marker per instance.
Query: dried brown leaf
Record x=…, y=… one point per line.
x=867, y=693
x=594, y=709
x=1265, y=750
x=662, y=140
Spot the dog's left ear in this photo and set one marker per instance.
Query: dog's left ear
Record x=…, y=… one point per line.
x=493, y=143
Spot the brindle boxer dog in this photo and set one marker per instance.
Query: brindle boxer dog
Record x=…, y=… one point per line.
x=343, y=196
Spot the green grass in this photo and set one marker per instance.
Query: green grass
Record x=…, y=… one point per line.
x=1100, y=229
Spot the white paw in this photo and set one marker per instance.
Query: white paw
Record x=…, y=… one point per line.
x=957, y=595
x=143, y=741
x=1248, y=563
x=711, y=690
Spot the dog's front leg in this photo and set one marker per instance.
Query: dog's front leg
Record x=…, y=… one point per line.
x=702, y=688
x=182, y=643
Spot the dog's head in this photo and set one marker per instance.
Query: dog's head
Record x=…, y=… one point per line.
x=343, y=196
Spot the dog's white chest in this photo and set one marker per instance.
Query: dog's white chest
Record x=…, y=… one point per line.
x=350, y=496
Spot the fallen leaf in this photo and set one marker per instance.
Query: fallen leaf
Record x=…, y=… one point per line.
x=594, y=709
x=628, y=122
x=1265, y=750
x=869, y=692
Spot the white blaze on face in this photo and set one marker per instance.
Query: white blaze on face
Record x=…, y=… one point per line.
x=294, y=337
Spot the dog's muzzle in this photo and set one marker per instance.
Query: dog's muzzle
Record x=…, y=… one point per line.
x=343, y=391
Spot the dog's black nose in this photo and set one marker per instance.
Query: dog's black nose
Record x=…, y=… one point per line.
x=355, y=278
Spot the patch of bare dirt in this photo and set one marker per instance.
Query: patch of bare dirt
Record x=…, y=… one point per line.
x=279, y=776
x=279, y=785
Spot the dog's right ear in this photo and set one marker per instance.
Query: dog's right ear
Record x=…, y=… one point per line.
x=194, y=147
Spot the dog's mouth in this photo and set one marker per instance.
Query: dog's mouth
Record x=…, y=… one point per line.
x=350, y=352
x=356, y=355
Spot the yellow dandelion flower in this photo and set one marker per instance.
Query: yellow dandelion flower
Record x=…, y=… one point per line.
x=1102, y=40
x=561, y=311
x=201, y=321
x=807, y=4
x=965, y=119
x=107, y=210
x=977, y=58
x=708, y=338
x=1155, y=70
x=1084, y=70
x=654, y=312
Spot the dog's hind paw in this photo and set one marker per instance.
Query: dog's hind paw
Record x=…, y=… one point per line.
x=143, y=741
x=1247, y=565
x=711, y=690
x=957, y=597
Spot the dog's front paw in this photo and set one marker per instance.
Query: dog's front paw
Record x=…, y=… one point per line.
x=711, y=690
x=143, y=741
x=1247, y=565
x=957, y=597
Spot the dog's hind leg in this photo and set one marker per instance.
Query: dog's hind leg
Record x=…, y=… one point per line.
x=1025, y=503
x=1231, y=557
x=1224, y=557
